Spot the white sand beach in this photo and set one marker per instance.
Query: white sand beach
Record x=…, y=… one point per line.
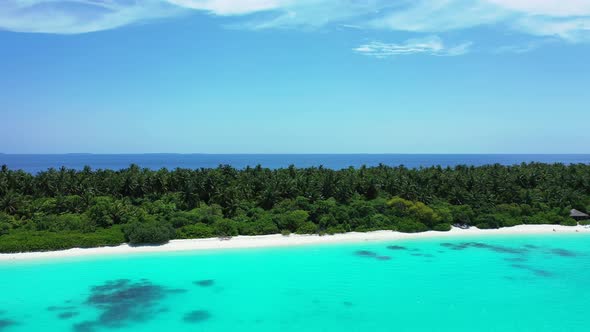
x=278, y=240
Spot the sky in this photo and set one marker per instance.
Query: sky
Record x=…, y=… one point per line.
x=295, y=76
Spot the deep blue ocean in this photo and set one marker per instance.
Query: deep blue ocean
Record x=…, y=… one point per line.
x=34, y=163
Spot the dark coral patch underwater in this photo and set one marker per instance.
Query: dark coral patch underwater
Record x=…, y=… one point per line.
x=563, y=252
x=537, y=272
x=205, y=283
x=365, y=253
x=197, y=316
x=124, y=302
x=372, y=254
x=479, y=245
x=6, y=323
x=67, y=315
x=396, y=247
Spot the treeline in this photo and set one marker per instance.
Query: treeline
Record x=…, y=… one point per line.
x=66, y=208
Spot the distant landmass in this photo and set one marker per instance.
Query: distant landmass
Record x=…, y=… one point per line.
x=34, y=163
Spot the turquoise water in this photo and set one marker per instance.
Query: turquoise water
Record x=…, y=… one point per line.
x=531, y=283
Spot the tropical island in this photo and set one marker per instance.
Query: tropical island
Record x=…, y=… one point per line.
x=67, y=208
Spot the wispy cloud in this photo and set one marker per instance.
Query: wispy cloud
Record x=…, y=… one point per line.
x=557, y=8
x=232, y=7
x=575, y=30
x=523, y=47
x=79, y=16
x=432, y=45
x=568, y=20
x=439, y=16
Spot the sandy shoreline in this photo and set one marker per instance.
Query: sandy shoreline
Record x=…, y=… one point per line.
x=278, y=240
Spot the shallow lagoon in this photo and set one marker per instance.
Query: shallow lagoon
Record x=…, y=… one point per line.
x=510, y=283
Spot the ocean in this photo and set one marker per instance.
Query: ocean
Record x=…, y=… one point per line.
x=486, y=283
x=34, y=163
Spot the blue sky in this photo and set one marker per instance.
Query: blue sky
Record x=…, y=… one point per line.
x=284, y=76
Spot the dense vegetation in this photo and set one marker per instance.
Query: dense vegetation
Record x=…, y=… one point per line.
x=65, y=208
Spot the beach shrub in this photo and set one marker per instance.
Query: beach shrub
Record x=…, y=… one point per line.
x=379, y=221
x=336, y=229
x=462, y=214
x=180, y=219
x=23, y=241
x=225, y=227
x=148, y=232
x=307, y=228
x=262, y=227
x=509, y=221
x=444, y=227
x=548, y=217
x=569, y=222
x=584, y=222
x=496, y=220
x=415, y=210
x=285, y=232
x=444, y=211
x=411, y=226
x=196, y=231
x=292, y=220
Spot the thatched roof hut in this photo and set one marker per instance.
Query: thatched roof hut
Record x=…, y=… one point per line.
x=578, y=215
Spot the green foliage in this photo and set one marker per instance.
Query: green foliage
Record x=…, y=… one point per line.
x=64, y=222
x=5, y=217
x=107, y=211
x=307, y=228
x=415, y=210
x=548, y=217
x=208, y=214
x=444, y=211
x=336, y=229
x=4, y=228
x=292, y=220
x=23, y=241
x=225, y=201
x=262, y=226
x=442, y=227
x=225, y=227
x=410, y=226
x=196, y=231
x=462, y=214
x=569, y=222
x=148, y=232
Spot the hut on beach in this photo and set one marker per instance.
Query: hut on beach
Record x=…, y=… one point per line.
x=578, y=215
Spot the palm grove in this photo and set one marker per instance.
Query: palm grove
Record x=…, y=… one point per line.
x=66, y=208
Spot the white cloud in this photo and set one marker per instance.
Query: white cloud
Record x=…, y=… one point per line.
x=568, y=20
x=232, y=7
x=432, y=45
x=524, y=47
x=439, y=16
x=561, y=8
x=570, y=29
x=78, y=16
x=310, y=14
